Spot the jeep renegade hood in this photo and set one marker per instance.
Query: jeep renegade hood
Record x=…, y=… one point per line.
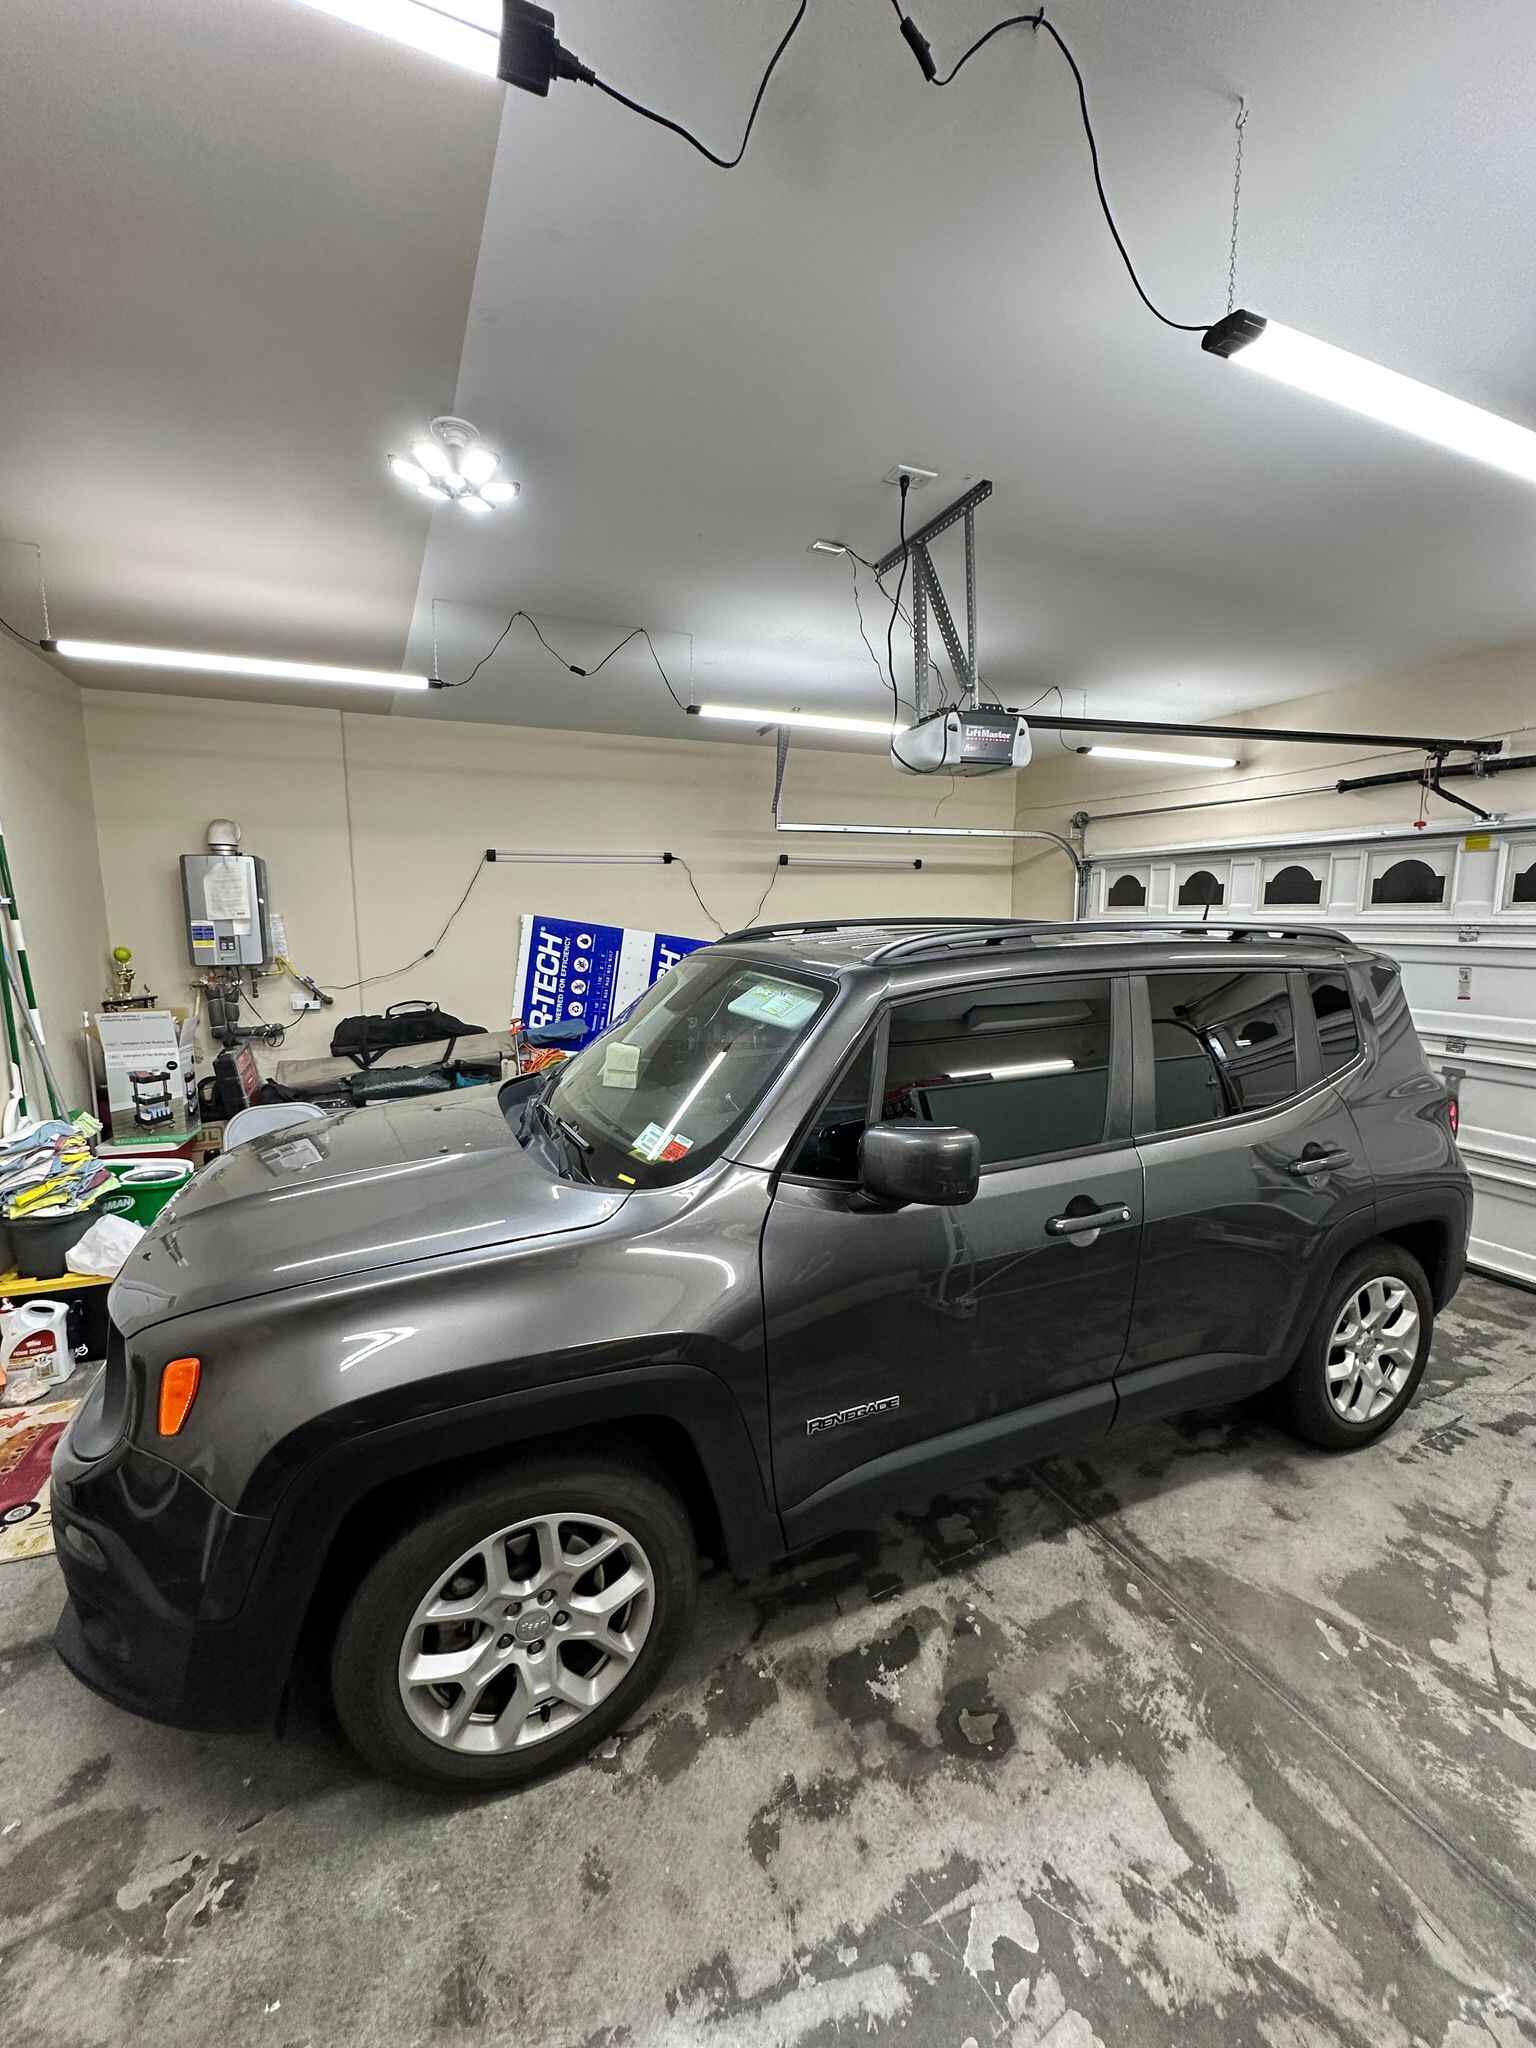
x=368, y=1188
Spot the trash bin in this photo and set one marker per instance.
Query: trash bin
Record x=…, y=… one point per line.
x=142, y=1191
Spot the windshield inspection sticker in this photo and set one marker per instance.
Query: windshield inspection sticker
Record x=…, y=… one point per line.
x=654, y=1143
x=774, y=1002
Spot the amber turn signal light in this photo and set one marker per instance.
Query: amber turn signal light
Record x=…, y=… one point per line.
x=178, y=1386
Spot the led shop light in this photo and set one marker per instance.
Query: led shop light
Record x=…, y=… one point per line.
x=822, y=721
x=234, y=665
x=462, y=32
x=1159, y=754
x=451, y=464
x=1291, y=357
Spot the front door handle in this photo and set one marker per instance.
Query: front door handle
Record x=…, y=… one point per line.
x=1088, y=1219
x=1319, y=1162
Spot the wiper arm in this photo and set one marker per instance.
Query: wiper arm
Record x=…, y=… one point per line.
x=570, y=1130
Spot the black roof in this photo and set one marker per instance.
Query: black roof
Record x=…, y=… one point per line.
x=879, y=941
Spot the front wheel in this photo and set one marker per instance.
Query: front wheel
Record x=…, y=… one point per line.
x=1365, y=1353
x=512, y=1630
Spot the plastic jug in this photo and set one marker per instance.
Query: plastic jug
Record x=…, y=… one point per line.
x=34, y=1349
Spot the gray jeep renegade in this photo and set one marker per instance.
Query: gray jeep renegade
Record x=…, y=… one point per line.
x=456, y=1391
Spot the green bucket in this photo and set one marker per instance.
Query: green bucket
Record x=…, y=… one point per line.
x=142, y=1191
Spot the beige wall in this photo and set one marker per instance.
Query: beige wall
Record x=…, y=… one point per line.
x=400, y=812
x=1477, y=696
x=50, y=834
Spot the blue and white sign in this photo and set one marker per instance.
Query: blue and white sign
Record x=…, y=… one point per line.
x=587, y=974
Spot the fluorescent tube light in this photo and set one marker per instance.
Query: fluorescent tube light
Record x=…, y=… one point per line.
x=462, y=32
x=915, y=831
x=533, y=853
x=850, y=861
x=1385, y=395
x=1017, y=1071
x=822, y=721
x=1158, y=754
x=235, y=665
x=827, y=547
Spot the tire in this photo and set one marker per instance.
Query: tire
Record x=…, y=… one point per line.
x=1340, y=1393
x=543, y=1680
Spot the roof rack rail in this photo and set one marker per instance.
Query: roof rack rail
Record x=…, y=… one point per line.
x=1027, y=931
x=853, y=924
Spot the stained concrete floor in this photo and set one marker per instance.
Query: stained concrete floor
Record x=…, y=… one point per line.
x=1207, y=1739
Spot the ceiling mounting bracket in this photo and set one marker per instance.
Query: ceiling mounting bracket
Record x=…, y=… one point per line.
x=928, y=592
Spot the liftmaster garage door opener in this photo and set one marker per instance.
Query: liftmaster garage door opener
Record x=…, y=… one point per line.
x=963, y=743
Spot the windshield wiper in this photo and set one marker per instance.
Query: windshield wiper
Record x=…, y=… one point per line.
x=576, y=1144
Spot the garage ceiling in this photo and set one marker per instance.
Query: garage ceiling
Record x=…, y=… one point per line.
x=256, y=248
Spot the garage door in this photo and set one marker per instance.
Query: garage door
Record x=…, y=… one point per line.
x=1456, y=910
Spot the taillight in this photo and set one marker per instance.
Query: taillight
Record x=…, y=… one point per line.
x=1453, y=1114
x=178, y=1386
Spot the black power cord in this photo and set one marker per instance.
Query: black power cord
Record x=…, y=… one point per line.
x=532, y=58
x=905, y=485
x=17, y=634
x=924, y=55
x=573, y=668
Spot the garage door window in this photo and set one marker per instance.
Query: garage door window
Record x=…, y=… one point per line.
x=1222, y=1045
x=1337, y=1032
x=1023, y=1066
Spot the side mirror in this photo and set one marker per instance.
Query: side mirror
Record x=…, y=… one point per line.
x=907, y=1162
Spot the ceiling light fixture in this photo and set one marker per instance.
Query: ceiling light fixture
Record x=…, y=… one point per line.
x=451, y=461
x=1159, y=754
x=1291, y=357
x=827, y=547
x=235, y=665
x=462, y=32
x=822, y=721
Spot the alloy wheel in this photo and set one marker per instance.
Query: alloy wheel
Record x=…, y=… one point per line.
x=1373, y=1347
x=526, y=1633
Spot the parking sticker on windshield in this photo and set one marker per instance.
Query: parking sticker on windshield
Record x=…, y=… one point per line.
x=775, y=1002
x=655, y=1143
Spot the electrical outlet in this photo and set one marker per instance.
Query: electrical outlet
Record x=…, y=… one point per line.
x=299, y=1004
x=915, y=476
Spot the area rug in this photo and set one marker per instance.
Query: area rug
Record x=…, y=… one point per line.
x=27, y=1438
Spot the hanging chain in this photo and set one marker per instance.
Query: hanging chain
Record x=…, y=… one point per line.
x=42, y=591
x=1237, y=199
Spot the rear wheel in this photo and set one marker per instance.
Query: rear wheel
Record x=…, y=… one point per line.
x=512, y=1630
x=1365, y=1353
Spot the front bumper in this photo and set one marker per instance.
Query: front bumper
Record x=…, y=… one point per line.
x=158, y=1574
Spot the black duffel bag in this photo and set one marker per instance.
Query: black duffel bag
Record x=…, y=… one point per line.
x=363, y=1039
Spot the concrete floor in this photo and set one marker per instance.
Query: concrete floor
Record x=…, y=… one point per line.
x=1206, y=1740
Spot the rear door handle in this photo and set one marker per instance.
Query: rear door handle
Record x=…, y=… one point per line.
x=1319, y=1162
x=1091, y=1219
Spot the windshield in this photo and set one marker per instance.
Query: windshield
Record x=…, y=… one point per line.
x=664, y=1089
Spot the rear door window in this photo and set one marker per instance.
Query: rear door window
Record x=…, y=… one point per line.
x=1338, y=1033
x=1223, y=1044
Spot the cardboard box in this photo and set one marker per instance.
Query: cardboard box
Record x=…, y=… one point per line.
x=150, y=1062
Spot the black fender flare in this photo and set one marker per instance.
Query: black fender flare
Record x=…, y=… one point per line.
x=307, y=1520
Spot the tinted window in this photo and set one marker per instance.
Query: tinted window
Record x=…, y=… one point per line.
x=1337, y=1032
x=830, y=1148
x=1222, y=1044
x=1024, y=1066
